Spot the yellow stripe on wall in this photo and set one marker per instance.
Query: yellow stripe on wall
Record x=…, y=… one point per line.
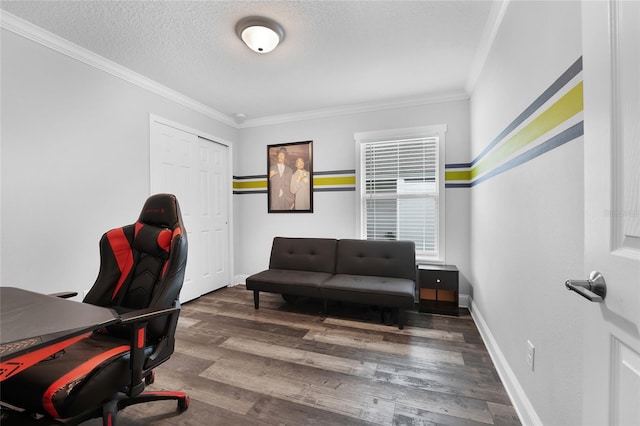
x=318, y=181
x=252, y=184
x=563, y=109
x=458, y=175
x=342, y=180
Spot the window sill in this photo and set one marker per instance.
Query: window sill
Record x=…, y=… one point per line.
x=430, y=260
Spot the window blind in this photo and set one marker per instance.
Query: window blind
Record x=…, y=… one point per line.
x=400, y=197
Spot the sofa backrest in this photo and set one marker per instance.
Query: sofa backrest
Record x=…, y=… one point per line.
x=395, y=259
x=304, y=254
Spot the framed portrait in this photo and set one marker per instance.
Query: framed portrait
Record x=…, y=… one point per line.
x=290, y=177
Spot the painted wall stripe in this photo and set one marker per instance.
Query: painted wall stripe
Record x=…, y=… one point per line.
x=566, y=77
x=250, y=184
x=565, y=136
x=249, y=177
x=558, y=120
x=521, y=141
x=565, y=108
x=335, y=172
x=323, y=181
x=345, y=180
x=340, y=189
x=458, y=175
x=457, y=166
x=264, y=191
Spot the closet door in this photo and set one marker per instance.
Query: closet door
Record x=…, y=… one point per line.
x=196, y=170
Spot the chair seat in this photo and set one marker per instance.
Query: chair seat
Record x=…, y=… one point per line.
x=64, y=386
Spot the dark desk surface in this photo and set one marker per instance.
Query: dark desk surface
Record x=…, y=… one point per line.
x=30, y=321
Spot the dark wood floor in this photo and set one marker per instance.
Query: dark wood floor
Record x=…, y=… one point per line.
x=290, y=365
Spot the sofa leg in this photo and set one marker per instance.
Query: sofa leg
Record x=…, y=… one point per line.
x=400, y=318
x=325, y=309
x=256, y=299
x=386, y=315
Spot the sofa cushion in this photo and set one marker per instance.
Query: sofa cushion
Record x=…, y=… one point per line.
x=304, y=254
x=377, y=258
x=300, y=283
x=370, y=290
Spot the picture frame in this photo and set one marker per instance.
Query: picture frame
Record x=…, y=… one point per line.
x=290, y=177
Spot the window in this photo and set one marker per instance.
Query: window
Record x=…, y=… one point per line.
x=400, y=184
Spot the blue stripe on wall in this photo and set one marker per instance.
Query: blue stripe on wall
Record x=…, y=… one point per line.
x=565, y=136
x=570, y=73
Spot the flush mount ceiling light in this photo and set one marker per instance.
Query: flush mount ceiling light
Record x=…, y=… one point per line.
x=262, y=35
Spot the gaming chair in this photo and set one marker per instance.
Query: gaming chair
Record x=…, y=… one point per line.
x=142, y=269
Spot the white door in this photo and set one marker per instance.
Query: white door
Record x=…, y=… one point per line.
x=611, y=60
x=196, y=171
x=218, y=209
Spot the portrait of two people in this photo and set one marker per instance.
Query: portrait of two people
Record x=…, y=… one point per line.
x=290, y=177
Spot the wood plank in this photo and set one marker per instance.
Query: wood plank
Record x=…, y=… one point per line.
x=407, y=331
x=301, y=357
x=408, y=351
x=259, y=376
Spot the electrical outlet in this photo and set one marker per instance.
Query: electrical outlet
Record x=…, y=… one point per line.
x=531, y=353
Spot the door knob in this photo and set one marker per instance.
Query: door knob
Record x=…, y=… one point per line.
x=593, y=289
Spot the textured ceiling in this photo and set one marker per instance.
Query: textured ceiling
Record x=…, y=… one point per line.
x=335, y=53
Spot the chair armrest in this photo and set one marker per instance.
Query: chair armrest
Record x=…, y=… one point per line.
x=137, y=321
x=65, y=294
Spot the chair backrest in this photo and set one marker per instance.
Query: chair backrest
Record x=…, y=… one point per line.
x=142, y=265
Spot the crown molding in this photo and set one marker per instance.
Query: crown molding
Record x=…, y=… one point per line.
x=45, y=38
x=453, y=96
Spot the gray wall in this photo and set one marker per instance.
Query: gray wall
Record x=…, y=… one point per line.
x=75, y=162
x=527, y=223
x=335, y=212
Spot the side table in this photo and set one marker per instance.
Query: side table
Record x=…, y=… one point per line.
x=438, y=289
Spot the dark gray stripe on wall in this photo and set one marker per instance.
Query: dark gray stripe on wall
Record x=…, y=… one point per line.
x=570, y=73
x=335, y=172
x=340, y=189
x=565, y=136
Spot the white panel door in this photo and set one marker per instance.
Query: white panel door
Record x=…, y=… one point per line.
x=217, y=197
x=611, y=58
x=195, y=170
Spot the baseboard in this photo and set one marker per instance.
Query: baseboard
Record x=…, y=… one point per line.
x=239, y=279
x=519, y=399
x=463, y=301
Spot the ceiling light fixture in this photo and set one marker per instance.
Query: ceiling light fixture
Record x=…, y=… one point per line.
x=262, y=35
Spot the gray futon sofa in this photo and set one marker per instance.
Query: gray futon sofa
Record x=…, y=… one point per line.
x=381, y=273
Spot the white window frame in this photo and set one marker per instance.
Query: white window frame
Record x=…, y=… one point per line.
x=438, y=131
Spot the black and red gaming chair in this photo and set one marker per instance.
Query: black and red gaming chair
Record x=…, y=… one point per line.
x=141, y=273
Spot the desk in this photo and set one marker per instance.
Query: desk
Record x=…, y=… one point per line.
x=34, y=326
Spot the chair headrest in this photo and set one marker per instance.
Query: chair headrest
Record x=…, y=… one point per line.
x=161, y=210
x=152, y=240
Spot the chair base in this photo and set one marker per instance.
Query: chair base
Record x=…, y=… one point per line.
x=108, y=411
